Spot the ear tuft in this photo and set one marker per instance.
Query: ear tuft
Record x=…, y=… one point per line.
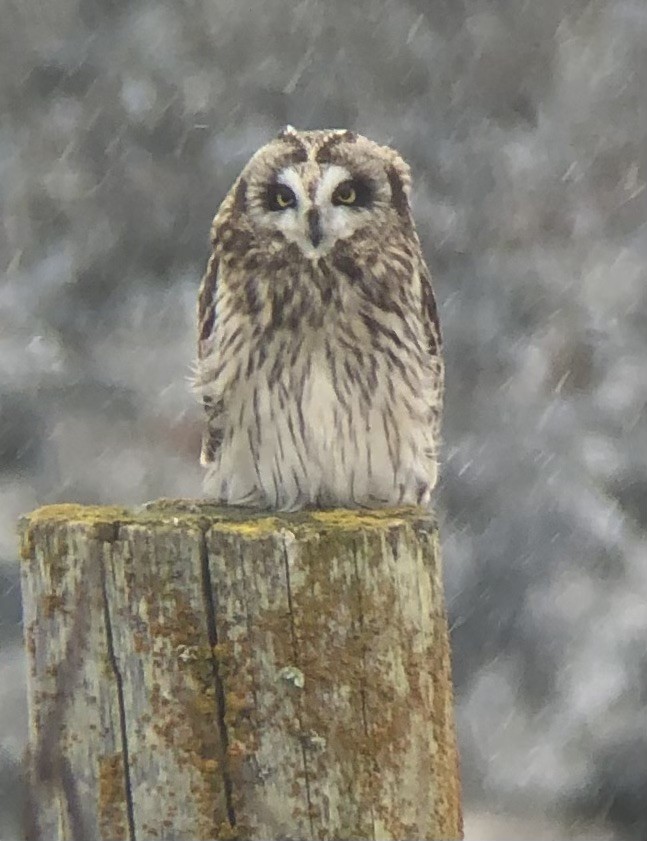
x=399, y=190
x=240, y=196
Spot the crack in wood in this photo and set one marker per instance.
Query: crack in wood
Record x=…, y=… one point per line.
x=352, y=600
x=212, y=633
x=123, y=733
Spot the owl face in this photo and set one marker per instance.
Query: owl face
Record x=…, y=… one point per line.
x=315, y=189
x=315, y=209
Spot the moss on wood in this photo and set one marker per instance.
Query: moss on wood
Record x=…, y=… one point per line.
x=281, y=675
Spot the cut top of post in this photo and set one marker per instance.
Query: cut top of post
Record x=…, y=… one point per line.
x=204, y=672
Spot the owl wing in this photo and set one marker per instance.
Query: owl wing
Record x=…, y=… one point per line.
x=430, y=312
x=212, y=435
x=435, y=349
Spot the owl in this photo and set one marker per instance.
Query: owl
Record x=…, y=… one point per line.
x=319, y=350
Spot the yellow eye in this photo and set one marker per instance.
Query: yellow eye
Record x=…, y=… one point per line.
x=345, y=194
x=283, y=200
x=280, y=197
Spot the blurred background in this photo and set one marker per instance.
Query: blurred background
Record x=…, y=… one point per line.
x=123, y=125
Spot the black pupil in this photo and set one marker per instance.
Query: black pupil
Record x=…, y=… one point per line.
x=281, y=197
x=358, y=193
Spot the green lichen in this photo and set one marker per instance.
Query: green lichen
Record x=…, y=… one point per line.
x=261, y=527
x=112, y=802
x=352, y=519
x=170, y=514
x=74, y=513
x=326, y=634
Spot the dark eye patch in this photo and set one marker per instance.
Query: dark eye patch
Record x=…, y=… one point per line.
x=362, y=188
x=279, y=197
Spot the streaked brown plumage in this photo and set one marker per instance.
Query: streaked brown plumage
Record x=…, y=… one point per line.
x=319, y=354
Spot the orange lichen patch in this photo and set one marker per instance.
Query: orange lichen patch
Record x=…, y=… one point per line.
x=327, y=649
x=30, y=639
x=222, y=651
x=26, y=545
x=313, y=653
x=186, y=719
x=210, y=766
x=448, y=810
x=140, y=643
x=51, y=604
x=227, y=832
x=113, y=820
x=364, y=722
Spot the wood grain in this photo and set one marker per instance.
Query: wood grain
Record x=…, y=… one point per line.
x=203, y=673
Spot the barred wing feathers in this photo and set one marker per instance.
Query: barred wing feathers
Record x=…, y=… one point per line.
x=212, y=434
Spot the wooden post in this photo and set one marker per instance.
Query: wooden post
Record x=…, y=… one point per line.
x=205, y=673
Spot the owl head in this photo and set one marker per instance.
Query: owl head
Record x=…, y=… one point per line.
x=315, y=189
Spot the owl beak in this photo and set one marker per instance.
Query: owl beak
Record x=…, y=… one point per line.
x=314, y=226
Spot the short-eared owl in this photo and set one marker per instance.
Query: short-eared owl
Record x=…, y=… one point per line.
x=319, y=358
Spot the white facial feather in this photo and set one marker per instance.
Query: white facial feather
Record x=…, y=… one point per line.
x=337, y=222
x=332, y=177
x=292, y=221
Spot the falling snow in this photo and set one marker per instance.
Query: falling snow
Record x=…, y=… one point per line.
x=526, y=127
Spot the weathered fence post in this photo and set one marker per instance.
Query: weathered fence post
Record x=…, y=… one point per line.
x=204, y=673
